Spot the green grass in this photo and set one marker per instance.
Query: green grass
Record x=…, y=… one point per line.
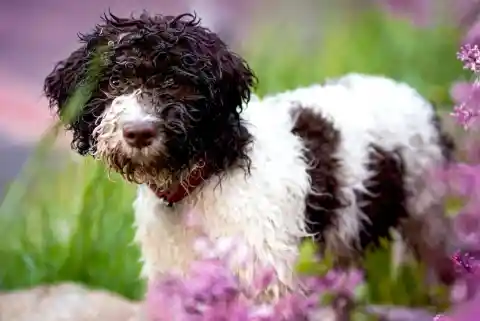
x=369, y=43
x=74, y=223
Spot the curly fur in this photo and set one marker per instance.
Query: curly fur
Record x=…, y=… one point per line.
x=321, y=139
x=195, y=84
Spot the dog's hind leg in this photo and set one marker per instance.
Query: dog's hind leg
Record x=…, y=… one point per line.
x=429, y=235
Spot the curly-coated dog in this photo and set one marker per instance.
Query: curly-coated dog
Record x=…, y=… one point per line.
x=342, y=163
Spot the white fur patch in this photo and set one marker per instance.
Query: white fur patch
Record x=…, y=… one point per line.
x=123, y=109
x=267, y=208
x=109, y=131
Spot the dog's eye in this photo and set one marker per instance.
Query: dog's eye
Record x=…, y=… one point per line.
x=130, y=64
x=160, y=46
x=114, y=82
x=189, y=60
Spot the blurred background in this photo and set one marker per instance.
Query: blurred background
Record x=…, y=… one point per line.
x=62, y=219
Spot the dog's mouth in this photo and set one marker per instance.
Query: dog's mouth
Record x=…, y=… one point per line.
x=138, y=169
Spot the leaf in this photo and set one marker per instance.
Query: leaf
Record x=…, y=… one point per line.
x=308, y=263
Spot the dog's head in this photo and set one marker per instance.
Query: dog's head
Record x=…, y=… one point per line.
x=168, y=95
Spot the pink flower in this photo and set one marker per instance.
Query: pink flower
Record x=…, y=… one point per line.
x=464, y=115
x=461, y=91
x=470, y=56
x=467, y=109
x=467, y=311
x=467, y=97
x=211, y=292
x=441, y=317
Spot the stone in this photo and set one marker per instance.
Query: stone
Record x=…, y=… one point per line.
x=66, y=301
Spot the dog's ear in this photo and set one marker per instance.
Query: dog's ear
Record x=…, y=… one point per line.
x=69, y=76
x=235, y=79
x=65, y=78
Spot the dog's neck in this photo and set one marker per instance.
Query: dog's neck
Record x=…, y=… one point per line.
x=181, y=189
x=227, y=151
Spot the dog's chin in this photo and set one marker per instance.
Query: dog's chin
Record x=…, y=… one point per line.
x=138, y=170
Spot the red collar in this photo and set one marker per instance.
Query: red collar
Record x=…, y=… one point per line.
x=178, y=191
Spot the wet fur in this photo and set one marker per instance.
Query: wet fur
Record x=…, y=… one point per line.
x=197, y=83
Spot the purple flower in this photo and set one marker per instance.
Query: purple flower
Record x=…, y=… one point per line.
x=470, y=56
x=211, y=292
x=465, y=261
x=441, y=317
x=461, y=91
x=467, y=311
x=463, y=180
x=465, y=115
x=467, y=97
x=460, y=180
x=337, y=281
x=467, y=110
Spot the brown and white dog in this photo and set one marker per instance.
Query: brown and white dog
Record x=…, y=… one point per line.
x=343, y=162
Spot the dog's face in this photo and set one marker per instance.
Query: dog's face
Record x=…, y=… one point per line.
x=166, y=96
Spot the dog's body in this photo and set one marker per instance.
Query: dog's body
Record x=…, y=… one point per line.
x=340, y=162
x=343, y=162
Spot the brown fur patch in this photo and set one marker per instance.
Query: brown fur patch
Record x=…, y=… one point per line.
x=321, y=140
x=384, y=205
x=444, y=139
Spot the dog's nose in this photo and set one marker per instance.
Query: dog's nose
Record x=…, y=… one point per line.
x=139, y=134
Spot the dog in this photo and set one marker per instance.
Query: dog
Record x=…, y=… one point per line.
x=172, y=111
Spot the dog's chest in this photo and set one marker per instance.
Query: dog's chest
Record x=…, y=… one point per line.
x=269, y=226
